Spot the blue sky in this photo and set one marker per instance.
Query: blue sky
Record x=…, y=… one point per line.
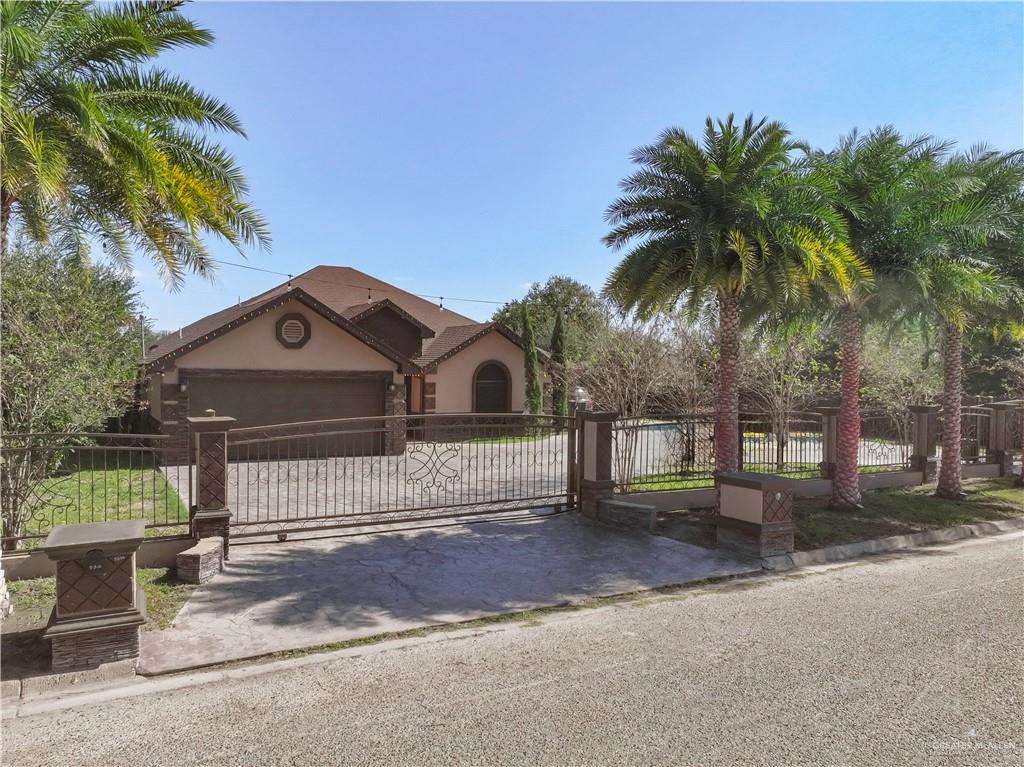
x=469, y=149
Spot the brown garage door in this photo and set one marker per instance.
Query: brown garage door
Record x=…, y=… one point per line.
x=270, y=400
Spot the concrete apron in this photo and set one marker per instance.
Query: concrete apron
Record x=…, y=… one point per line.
x=289, y=596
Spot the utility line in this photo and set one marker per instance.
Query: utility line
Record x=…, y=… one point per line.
x=368, y=288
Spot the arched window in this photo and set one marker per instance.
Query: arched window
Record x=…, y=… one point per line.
x=491, y=389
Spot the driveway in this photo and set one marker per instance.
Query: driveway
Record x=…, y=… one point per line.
x=275, y=596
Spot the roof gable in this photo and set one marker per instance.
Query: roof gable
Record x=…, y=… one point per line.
x=358, y=314
x=343, y=288
x=454, y=339
x=216, y=325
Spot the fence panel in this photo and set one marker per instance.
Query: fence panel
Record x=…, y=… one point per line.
x=789, y=444
x=975, y=428
x=664, y=452
x=62, y=479
x=886, y=442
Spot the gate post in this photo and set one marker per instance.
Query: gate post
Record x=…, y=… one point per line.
x=596, y=481
x=925, y=438
x=210, y=516
x=1000, y=450
x=829, y=440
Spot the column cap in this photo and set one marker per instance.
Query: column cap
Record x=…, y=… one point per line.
x=210, y=422
x=590, y=415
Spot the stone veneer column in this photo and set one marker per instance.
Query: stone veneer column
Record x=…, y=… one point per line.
x=100, y=608
x=173, y=421
x=755, y=513
x=395, y=405
x=925, y=432
x=596, y=481
x=210, y=515
x=829, y=440
x=1000, y=451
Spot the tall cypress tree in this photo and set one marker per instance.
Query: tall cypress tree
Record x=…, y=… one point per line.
x=534, y=393
x=559, y=390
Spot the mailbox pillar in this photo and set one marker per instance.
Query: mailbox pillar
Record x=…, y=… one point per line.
x=211, y=516
x=755, y=513
x=100, y=607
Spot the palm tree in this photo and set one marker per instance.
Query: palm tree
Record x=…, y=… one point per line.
x=977, y=278
x=894, y=206
x=97, y=144
x=732, y=223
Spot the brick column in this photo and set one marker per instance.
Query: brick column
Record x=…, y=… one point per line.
x=210, y=515
x=829, y=440
x=596, y=483
x=1000, y=450
x=925, y=431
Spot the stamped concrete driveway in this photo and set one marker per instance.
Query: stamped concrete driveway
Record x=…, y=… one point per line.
x=280, y=596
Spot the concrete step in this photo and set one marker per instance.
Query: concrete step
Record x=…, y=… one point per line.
x=627, y=514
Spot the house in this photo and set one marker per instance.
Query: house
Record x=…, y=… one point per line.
x=333, y=342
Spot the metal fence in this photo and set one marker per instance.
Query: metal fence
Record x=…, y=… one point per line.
x=358, y=471
x=676, y=451
x=975, y=426
x=791, y=445
x=886, y=441
x=663, y=452
x=60, y=479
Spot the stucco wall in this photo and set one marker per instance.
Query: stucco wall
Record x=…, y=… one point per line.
x=254, y=346
x=455, y=375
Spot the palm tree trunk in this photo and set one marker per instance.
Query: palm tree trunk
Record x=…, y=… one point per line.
x=845, y=484
x=727, y=411
x=6, y=202
x=952, y=394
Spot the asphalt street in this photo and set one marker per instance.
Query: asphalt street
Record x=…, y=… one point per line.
x=912, y=658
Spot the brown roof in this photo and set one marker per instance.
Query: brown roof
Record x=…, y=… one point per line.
x=358, y=312
x=453, y=340
x=343, y=291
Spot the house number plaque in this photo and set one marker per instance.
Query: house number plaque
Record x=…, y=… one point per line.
x=96, y=563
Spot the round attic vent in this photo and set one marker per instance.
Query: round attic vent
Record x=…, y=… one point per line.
x=293, y=330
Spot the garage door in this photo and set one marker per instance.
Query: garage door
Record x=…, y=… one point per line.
x=271, y=400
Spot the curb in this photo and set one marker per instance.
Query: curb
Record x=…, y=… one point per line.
x=846, y=551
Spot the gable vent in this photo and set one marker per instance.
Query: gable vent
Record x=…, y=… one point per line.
x=293, y=331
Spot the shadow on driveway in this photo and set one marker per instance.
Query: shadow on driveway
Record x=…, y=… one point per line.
x=302, y=594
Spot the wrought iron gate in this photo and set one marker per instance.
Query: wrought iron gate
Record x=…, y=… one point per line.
x=359, y=471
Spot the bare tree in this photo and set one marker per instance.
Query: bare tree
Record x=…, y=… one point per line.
x=656, y=376
x=780, y=379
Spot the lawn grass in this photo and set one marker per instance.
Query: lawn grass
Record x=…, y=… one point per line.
x=507, y=438
x=692, y=480
x=672, y=480
x=88, y=495
x=33, y=598
x=899, y=511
